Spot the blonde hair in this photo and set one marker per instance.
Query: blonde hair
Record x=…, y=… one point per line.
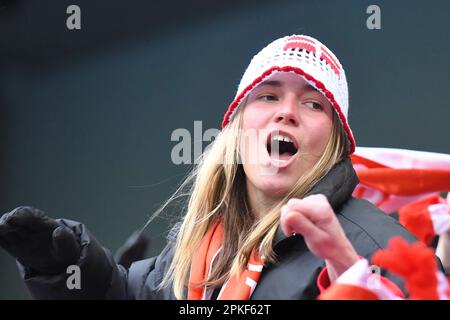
x=216, y=189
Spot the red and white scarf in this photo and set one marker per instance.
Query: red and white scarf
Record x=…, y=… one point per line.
x=415, y=263
x=392, y=178
x=238, y=287
x=426, y=218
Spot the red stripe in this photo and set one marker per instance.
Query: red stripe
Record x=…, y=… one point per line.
x=325, y=50
x=300, y=45
x=405, y=182
x=301, y=38
x=366, y=162
x=359, y=191
x=416, y=218
x=329, y=59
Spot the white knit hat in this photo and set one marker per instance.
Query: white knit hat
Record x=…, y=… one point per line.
x=306, y=57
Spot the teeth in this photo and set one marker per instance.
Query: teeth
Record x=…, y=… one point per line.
x=279, y=137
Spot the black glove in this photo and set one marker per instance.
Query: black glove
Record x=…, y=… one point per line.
x=38, y=241
x=133, y=250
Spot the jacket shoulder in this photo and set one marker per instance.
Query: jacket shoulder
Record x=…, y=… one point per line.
x=365, y=224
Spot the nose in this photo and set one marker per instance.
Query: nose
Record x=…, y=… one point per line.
x=288, y=112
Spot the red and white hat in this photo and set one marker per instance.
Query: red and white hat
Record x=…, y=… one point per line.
x=306, y=57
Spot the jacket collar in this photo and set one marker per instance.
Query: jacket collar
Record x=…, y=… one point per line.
x=337, y=185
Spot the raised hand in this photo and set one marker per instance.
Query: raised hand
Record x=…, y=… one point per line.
x=38, y=241
x=315, y=220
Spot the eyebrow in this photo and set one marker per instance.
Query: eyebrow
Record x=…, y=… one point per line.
x=275, y=83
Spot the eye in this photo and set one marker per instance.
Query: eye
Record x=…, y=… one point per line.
x=268, y=97
x=314, y=105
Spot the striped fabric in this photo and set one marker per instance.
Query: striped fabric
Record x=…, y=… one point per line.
x=392, y=178
x=238, y=287
x=414, y=263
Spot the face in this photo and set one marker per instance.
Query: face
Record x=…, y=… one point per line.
x=292, y=122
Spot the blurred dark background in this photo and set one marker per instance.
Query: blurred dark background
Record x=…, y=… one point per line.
x=86, y=115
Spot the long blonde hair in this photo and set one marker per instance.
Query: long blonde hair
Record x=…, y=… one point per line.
x=217, y=189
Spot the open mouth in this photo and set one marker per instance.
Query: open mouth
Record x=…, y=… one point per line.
x=281, y=146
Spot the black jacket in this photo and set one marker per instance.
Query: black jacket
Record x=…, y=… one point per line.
x=294, y=277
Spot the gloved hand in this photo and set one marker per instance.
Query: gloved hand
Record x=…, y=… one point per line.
x=133, y=249
x=38, y=241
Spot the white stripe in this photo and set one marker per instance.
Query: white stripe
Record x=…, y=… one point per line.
x=255, y=267
x=405, y=159
x=399, y=159
x=440, y=217
x=355, y=275
x=393, y=202
x=248, y=281
x=443, y=286
x=207, y=292
x=318, y=50
x=371, y=194
x=251, y=283
x=384, y=293
x=219, y=296
x=361, y=276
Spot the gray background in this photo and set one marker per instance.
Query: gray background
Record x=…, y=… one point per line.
x=86, y=116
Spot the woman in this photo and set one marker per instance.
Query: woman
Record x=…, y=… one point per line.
x=270, y=213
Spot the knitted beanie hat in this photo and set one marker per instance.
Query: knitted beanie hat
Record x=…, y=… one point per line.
x=306, y=57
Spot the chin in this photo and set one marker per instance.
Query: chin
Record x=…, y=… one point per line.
x=276, y=187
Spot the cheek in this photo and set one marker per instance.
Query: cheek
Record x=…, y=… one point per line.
x=319, y=133
x=252, y=139
x=254, y=117
x=254, y=120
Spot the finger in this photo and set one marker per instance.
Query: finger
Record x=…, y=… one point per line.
x=3, y=218
x=293, y=221
x=9, y=236
x=65, y=245
x=138, y=242
x=306, y=202
x=4, y=229
x=10, y=240
x=24, y=215
x=316, y=208
x=31, y=220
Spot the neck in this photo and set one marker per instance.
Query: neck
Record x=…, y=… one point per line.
x=260, y=203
